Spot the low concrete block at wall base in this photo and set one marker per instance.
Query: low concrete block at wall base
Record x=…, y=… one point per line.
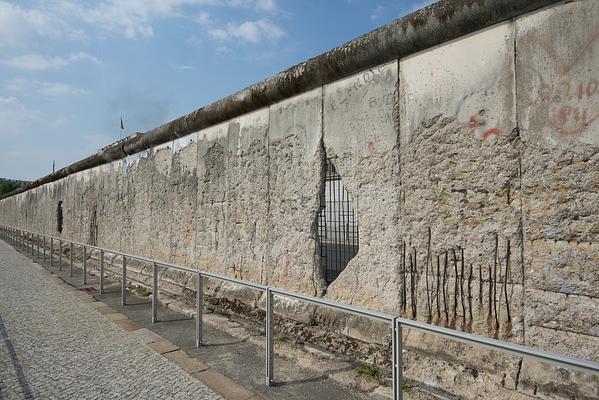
x=552, y=383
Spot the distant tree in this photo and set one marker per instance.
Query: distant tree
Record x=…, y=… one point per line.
x=8, y=186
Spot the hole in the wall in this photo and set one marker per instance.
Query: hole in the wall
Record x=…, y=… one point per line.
x=59, y=217
x=337, y=225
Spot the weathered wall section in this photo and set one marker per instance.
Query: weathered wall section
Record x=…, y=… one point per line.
x=474, y=170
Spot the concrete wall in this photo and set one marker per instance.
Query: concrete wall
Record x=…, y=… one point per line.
x=483, y=152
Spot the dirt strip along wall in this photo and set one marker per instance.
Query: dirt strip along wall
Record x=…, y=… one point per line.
x=474, y=172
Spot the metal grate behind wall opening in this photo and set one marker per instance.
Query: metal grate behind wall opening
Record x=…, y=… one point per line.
x=337, y=225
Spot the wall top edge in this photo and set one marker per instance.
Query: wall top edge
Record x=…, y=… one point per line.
x=431, y=26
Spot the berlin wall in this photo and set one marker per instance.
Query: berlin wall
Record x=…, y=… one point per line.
x=473, y=167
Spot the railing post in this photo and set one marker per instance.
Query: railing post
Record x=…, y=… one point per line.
x=51, y=251
x=71, y=260
x=84, y=265
x=154, y=292
x=396, y=359
x=101, y=271
x=199, y=309
x=124, y=283
x=269, y=366
x=44, y=249
x=38, y=246
x=60, y=254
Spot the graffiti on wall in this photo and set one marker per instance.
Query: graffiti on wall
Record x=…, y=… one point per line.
x=570, y=100
x=472, y=112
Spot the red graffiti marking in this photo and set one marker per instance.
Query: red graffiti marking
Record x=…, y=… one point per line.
x=371, y=146
x=571, y=121
x=562, y=91
x=565, y=66
x=581, y=52
x=491, y=132
x=474, y=124
x=568, y=108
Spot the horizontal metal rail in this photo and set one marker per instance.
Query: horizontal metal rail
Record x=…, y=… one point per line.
x=24, y=240
x=359, y=311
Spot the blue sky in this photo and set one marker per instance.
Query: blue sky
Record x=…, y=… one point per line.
x=69, y=69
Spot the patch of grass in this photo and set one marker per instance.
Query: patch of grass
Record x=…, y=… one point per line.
x=370, y=371
x=406, y=387
x=142, y=291
x=443, y=196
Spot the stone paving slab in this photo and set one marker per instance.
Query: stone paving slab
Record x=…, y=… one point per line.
x=144, y=334
x=189, y=364
x=117, y=316
x=128, y=325
x=163, y=346
x=106, y=309
x=229, y=389
x=53, y=344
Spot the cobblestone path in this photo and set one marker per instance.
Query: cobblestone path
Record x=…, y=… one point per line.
x=53, y=346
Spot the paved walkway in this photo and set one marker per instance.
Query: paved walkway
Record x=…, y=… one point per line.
x=54, y=346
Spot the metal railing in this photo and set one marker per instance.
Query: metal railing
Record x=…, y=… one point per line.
x=26, y=241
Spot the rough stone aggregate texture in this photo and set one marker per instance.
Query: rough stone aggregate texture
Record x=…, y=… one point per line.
x=489, y=137
x=460, y=192
x=360, y=136
x=54, y=346
x=558, y=101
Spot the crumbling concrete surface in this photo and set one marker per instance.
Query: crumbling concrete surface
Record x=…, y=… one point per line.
x=473, y=168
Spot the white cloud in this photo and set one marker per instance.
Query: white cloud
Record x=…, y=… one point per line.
x=82, y=56
x=266, y=5
x=203, y=18
x=184, y=67
x=38, y=62
x=49, y=89
x=35, y=62
x=132, y=18
x=249, y=31
x=15, y=116
x=223, y=50
x=17, y=25
x=218, y=33
x=260, y=5
x=377, y=13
